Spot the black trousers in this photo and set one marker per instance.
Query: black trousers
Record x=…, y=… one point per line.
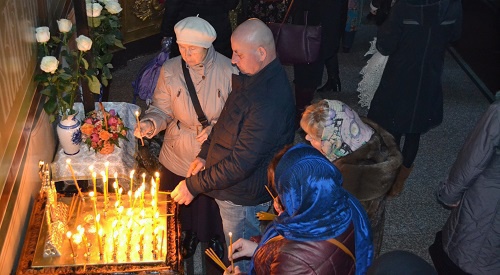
x=201, y=216
x=443, y=264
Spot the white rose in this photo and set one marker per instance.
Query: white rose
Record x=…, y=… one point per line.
x=42, y=34
x=93, y=9
x=49, y=64
x=64, y=25
x=83, y=43
x=113, y=7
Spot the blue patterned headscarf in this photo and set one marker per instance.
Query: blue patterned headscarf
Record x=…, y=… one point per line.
x=317, y=208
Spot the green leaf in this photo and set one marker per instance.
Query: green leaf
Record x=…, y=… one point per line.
x=104, y=81
x=65, y=76
x=119, y=44
x=94, y=84
x=50, y=106
x=85, y=63
x=109, y=65
x=94, y=22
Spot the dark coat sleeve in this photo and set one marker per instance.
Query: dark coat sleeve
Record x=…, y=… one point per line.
x=255, y=141
x=477, y=152
x=389, y=33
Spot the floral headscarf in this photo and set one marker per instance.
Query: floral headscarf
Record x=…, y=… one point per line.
x=344, y=131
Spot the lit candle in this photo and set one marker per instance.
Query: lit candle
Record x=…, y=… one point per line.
x=93, y=199
x=115, y=186
x=68, y=162
x=139, y=126
x=106, y=167
x=157, y=185
x=129, y=193
x=94, y=181
x=231, y=248
x=120, y=191
x=153, y=197
x=131, y=187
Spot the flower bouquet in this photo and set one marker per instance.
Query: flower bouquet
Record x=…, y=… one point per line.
x=102, y=130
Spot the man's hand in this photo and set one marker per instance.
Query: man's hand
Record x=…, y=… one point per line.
x=146, y=127
x=196, y=166
x=181, y=194
x=203, y=135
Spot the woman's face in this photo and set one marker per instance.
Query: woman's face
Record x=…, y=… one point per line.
x=315, y=142
x=193, y=55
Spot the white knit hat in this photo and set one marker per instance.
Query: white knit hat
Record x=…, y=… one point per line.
x=195, y=31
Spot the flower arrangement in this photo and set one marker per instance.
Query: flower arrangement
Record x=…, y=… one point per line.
x=60, y=77
x=103, y=18
x=102, y=130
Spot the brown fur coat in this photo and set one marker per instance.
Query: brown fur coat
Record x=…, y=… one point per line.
x=369, y=173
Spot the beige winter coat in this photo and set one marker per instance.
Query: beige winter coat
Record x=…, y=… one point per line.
x=173, y=110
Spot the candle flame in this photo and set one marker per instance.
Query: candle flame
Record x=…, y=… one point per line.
x=68, y=234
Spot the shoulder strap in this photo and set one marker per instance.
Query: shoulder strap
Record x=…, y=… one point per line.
x=194, y=98
x=332, y=241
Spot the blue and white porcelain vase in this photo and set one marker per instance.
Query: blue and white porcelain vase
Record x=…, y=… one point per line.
x=69, y=134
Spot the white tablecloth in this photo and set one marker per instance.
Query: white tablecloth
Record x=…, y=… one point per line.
x=122, y=160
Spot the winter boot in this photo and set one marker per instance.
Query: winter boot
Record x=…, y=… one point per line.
x=399, y=183
x=332, y=84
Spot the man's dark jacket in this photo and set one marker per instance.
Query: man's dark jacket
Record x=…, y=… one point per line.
x=256, y=122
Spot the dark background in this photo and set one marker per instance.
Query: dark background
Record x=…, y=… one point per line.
x=479, y=45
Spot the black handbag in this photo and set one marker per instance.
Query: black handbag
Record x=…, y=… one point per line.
x=296, y=44
x=194, y=98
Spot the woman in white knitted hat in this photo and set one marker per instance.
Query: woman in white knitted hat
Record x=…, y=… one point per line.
x=172, y=110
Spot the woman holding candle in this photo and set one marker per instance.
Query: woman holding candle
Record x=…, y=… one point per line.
x=322, y=229
x=172, y=109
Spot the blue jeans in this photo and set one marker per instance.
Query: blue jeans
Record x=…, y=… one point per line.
x=242, y=222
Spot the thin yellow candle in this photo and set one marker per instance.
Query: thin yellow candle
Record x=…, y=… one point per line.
x=131, y=187
x=104, y=186
x=139, y=126
x=100, y=234
x=157, y=185
x=68, y=235
x=94, y=181
x=231, y=248
x=106, y=169
x=68, y=162
x=93, y=199
x=120, y=191
x=115, y=186
x=153, y=197
x=129, y=193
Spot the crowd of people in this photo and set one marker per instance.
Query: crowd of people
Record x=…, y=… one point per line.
x=329, y=197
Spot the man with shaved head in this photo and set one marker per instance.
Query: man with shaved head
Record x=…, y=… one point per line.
x=256, y=122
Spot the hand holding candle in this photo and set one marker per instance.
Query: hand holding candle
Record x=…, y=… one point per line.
x=139, y=127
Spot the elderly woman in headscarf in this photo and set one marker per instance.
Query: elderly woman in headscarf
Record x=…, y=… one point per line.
x=320, y=229
x=366, y=155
